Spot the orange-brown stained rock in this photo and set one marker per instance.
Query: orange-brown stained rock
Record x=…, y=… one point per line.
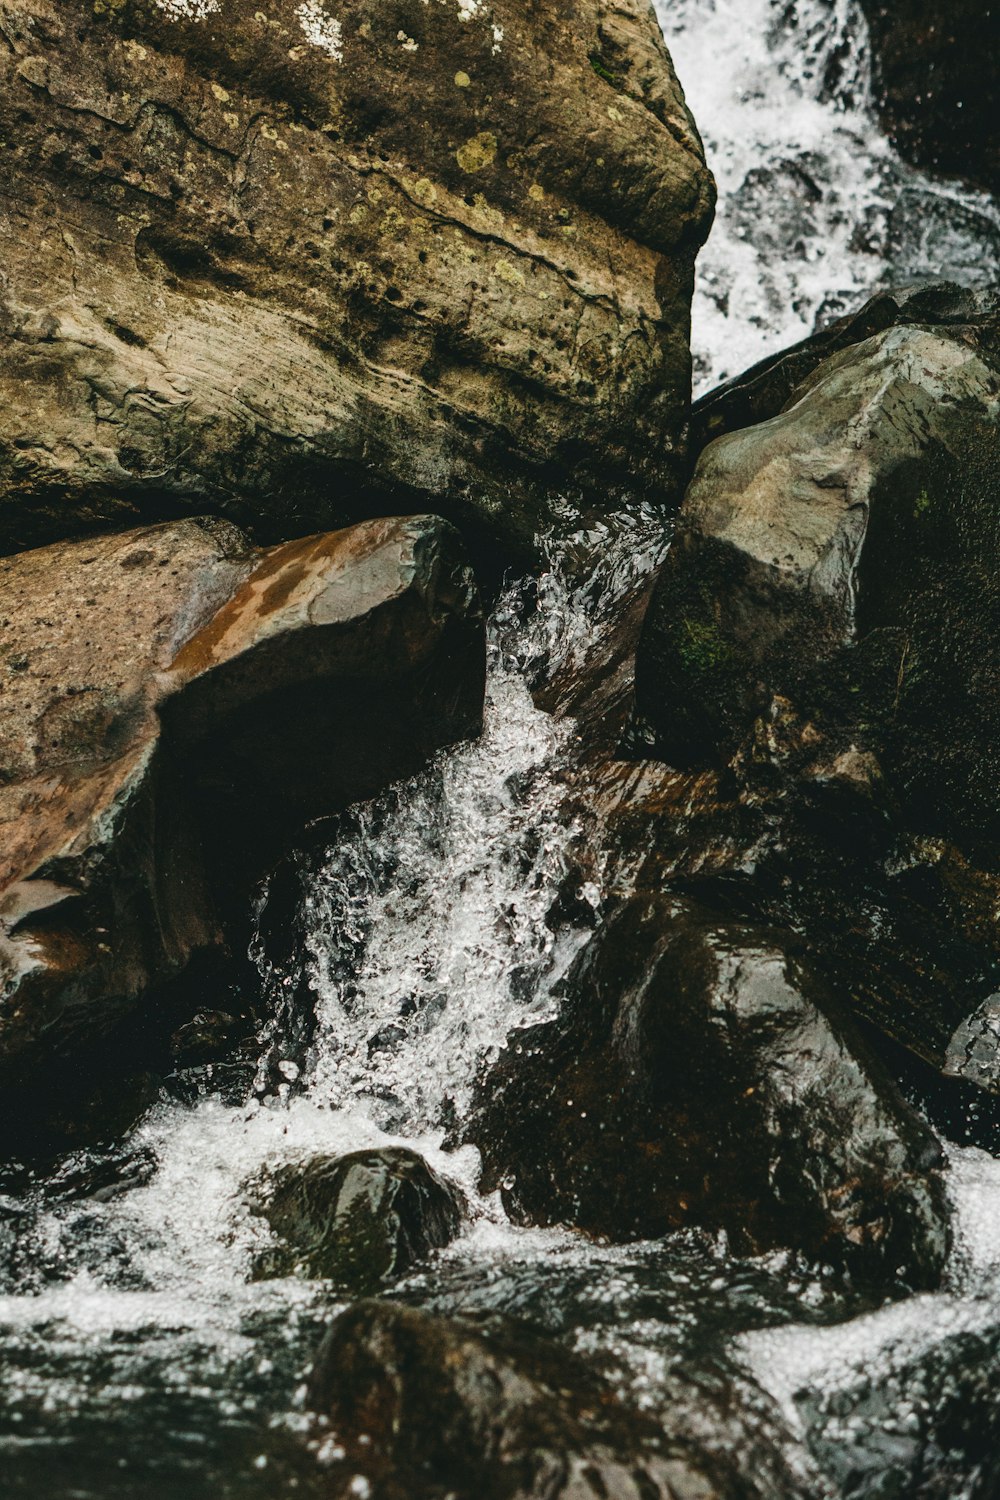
x=174, y=706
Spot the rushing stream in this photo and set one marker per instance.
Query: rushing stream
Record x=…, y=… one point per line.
x=137, y=1355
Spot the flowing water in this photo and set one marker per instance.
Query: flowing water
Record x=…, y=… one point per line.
x=137, y=1355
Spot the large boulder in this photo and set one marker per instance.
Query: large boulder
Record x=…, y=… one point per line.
x=293, y=262
x=360, y=1221
x=177, y=704
x=418, y=1407
x=835, y=569
x=935, y=76
x=698, y=1075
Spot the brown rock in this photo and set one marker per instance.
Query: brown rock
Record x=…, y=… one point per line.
x=293, y=265
x=176, y=706
x=423, y=1407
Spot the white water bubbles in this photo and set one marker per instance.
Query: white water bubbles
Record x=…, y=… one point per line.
x=427, y=924
x=430, y=925
x=816, y=211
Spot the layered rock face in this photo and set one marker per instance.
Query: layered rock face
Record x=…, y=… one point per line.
x=935, y=64
x=177, y=705
x=296, y=265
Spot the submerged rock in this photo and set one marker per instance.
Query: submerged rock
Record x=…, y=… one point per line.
x=360, y=1221
x=936, y=82
x=421, y=1406
x=699, y=1076
x=834, y=567
x=326, y=262
x=177, y=705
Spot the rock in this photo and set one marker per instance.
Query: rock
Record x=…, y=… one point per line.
x=698, y=1075
x=325, y=262
x=421, y=1406
x=926, y=230
x=360, y=1221
x=833, y=571
x=936, y=84
x=763, y=391
x=176, y=706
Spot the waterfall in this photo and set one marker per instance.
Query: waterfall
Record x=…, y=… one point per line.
x=816, y=211
x=137, y=1354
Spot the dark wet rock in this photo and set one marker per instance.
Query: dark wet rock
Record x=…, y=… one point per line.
x=177, y=706
x=764, y=390
x=936, y=82
x=208, y=1035
x=588, y=672
x=423, y=1407
x=360, y=1221
x=927, y=230
x=776, y=207
x=699, y=1075
x=817, y=658
x=831, y=583
x=324, y=265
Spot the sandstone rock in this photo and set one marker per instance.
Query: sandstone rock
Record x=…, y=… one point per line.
x=833, y=571
x=176, y=704
x=936, y=82
x=698, y=1075
x=360, y=1221
x=421, y=1406
x=292, y=262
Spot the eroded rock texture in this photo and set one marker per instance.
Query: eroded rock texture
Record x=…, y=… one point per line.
x=293, y=263
x=177, y=704
x=935, y=65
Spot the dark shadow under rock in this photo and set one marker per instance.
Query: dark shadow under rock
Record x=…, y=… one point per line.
x=699, y=1075
x=360, y=1221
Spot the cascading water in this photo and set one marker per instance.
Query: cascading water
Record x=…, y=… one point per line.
x=138, y=1356
x=815, y=209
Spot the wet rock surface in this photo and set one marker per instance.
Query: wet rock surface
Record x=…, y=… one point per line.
x=423, y=1406
x=936, y=85
x=832, y=589
x=324, y=265
x=360, y=1221
x=697, y=1076
x=150, y=736
x=832, y=559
